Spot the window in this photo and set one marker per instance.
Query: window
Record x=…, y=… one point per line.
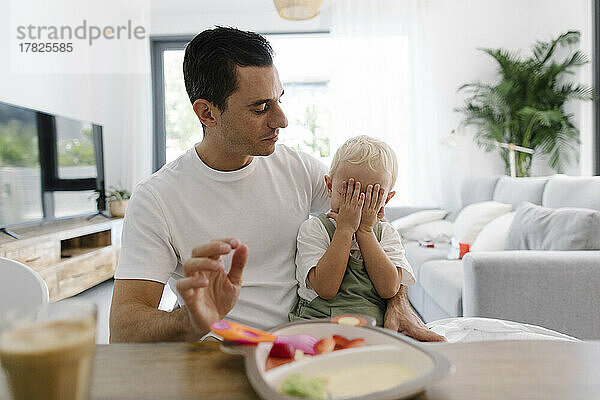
x=306, y=101
x=182, y=128
x=305, y=72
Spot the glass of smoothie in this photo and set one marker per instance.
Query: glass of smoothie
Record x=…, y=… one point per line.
x=47, y=352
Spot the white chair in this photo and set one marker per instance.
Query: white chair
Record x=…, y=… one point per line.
x=20, y=286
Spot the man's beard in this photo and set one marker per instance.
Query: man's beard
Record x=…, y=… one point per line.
x=244, y=146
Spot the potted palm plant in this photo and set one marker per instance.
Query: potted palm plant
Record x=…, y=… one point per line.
x=527, y=105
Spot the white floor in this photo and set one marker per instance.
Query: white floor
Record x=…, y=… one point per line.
x=101, y=295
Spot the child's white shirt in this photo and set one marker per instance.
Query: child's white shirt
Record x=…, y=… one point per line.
x=313, y=242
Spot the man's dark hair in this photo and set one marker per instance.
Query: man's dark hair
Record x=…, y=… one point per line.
x=209, y=65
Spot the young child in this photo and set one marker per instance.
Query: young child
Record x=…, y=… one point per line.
x=348, y=261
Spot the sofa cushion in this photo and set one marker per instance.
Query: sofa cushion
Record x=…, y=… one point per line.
x=417, y=255
x=437, y=231
x=539, y=228
x=442, y=280
x=451, y=217
x=474, y=217
x=572, y=191
x=475, y=189
x=515, y=190
x=493, y=236
x=432, y=311
x=415, y=295
x=394, y=212
x=420, y=217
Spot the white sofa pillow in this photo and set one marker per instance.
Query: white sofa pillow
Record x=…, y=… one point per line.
x=417, y=218
x=493, y=235
x=474, y=217
x=438, y=231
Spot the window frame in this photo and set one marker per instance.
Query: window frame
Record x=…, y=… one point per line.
x=160, y=44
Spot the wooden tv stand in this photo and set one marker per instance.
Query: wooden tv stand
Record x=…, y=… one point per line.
x=72, y=255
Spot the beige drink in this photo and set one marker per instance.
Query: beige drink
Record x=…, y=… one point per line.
x=49, y=360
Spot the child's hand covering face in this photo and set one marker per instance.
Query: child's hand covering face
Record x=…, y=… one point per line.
x=366, y=177
x=348, y=216
x=374, y=202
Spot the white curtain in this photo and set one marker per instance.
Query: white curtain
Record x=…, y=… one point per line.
x=382, y=87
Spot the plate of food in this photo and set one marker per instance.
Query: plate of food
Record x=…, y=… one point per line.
x=346, y=357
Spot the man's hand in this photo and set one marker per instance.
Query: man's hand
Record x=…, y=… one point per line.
x=348, y=216
x=208, y=292
x=401, y=317
x=374, y=201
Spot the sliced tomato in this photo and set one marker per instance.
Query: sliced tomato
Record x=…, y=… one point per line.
x=355, y=343
x=273, y=362
x=326, y=345
x=282, y=350
x=340, y=342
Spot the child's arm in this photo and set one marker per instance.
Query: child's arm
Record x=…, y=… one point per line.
x=386, y=277
x=327, y=276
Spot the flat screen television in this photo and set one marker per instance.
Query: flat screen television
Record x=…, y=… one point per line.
x=50, y=167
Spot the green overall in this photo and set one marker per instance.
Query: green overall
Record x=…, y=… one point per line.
x=356, y=294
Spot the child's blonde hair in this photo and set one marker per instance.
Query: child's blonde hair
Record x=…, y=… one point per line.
x=365, y=150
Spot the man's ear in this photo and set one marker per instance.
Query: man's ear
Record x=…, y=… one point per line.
x=328, y=182
x=205, y=111
x=389, y=196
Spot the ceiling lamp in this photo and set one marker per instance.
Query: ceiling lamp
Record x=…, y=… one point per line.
x=298, y=10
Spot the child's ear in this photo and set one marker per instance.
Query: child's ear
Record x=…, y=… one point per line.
x=328, y=183
x=389, y=196
x=381, y=212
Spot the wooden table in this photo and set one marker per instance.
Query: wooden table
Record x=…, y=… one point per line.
x=491, y=370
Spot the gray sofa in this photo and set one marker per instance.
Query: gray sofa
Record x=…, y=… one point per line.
x=559, y=290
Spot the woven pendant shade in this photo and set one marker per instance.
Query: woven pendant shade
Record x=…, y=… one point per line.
x=298, y=10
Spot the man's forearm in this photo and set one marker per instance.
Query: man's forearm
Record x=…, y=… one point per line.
x=400, y=305
x=137, y=322
x=401, y=317
x=400, y=300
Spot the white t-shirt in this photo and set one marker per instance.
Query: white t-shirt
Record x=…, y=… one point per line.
x=313, y=242
x=187, y=203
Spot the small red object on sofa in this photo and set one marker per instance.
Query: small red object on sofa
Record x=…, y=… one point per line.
x=464, y=249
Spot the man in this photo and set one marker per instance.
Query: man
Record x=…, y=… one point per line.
x=235, y=183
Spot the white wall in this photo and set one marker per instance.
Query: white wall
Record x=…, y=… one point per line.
x=455, y=28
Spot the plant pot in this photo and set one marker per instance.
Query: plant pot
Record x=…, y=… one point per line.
x=117, y=207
